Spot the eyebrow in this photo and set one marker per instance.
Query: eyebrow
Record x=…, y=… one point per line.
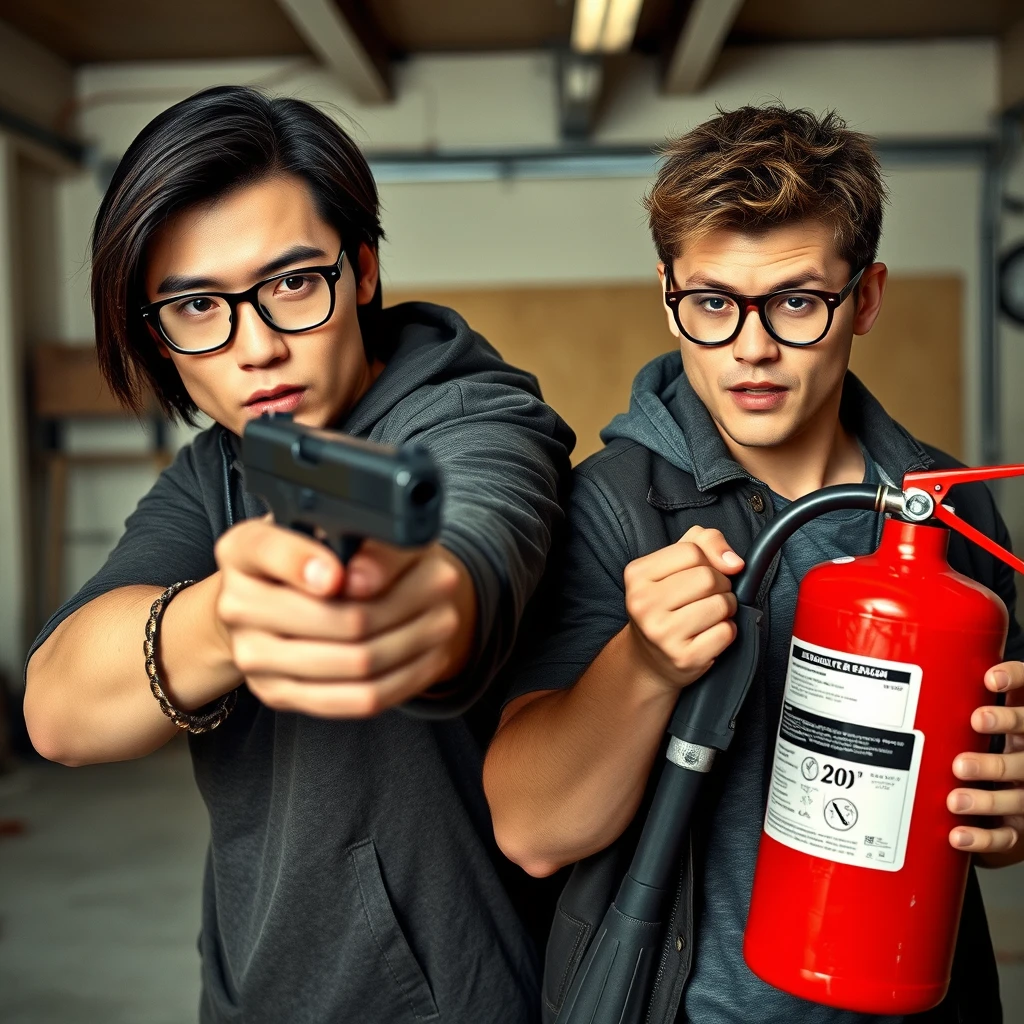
x=183, y=283
x=799, y=281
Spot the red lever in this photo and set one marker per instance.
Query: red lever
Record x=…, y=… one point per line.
x=937, y=482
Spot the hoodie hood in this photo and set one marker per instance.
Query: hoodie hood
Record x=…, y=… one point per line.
x=430, y=345
x=649, y=420
x=666, y=416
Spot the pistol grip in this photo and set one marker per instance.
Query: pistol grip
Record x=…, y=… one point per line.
x=346, y=547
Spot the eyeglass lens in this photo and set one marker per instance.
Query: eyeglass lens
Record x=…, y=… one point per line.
x=796, y=317
x=295, y=303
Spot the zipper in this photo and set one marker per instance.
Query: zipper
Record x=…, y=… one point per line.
x=226, y=462
x=667, y=944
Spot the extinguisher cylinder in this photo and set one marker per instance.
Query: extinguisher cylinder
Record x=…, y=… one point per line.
x=857, y=890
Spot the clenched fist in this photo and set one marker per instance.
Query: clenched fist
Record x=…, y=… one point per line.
x=313, y=636
x=680, y=605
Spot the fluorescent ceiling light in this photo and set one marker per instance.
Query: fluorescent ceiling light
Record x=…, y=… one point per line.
x=605, y=26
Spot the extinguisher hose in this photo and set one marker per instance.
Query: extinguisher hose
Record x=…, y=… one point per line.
x=769, y=541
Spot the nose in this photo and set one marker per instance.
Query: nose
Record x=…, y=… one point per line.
x=254, y=343
x=754, y=344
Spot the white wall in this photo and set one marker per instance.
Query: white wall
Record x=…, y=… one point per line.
x=563, y=230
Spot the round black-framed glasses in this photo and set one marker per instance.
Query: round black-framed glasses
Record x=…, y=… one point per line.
x=291, y=302
x=792, y=316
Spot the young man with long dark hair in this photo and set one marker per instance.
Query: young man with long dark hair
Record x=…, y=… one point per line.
x=766, y=223
x=352, y=874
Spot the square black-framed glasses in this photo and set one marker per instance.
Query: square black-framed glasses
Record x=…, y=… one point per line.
x=746, y=303
x=331, y=274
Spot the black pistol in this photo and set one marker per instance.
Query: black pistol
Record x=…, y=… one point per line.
x=341, y=489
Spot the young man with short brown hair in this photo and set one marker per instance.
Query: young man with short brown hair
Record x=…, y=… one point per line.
x=766, y=222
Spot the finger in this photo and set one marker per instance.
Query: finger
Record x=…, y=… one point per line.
x=259, y=548
x=984, y=840
x=992, y=767
x=376, y=566
x=986, y=801
x=998, y=720
x=664, y=562
x=706, y=646
x=686, y=588
x=1008, y=675
x=248, y=602
x=649, y=604
x=350, y=699
x=259, y=653
x=716, y=548
x=689, y=622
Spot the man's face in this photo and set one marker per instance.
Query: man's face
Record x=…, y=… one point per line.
x=231, y=244
x=760, y=392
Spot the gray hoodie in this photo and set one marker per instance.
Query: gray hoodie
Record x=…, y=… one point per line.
x=352, y=873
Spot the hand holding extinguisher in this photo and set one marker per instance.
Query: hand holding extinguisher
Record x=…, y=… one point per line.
x=1007, y=803
x=1006, y=680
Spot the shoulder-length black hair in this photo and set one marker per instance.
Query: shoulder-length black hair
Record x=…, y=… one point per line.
x=195, y=151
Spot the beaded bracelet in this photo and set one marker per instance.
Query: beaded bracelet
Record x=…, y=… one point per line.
x=194, y=721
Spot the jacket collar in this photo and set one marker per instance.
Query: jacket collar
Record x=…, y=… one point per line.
x=889, y=444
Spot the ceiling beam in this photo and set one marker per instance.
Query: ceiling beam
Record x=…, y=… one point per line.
x=700, y=42
x=351, y=46
x=1011, y=67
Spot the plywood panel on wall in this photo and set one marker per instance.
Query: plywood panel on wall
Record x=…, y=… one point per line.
x=912, y=359
x=585, y=344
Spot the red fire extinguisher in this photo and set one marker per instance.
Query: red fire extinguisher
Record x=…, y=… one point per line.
x=857, y=891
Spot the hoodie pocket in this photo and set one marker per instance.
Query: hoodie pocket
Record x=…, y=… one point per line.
x=387, y=934
x=566, y=947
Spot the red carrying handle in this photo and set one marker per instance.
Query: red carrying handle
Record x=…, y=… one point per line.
x=937, y=482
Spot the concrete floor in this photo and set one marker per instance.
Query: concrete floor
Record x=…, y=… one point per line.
x=99, y=897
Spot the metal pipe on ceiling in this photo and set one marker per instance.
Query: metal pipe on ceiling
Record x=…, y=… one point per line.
x=412, y=166
x=14, y=123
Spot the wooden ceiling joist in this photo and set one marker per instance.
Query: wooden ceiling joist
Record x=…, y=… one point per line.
x=349, y=48
x=700, y=42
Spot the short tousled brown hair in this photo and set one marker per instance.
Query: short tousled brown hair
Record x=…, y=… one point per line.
x=756, y=168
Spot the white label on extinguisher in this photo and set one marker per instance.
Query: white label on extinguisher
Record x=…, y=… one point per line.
x=847, y=757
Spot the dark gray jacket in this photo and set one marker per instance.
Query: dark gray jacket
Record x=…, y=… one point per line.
x=632, y=498
x=352, y=873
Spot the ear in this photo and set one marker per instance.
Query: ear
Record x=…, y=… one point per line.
x=672, y=325
x=369, y=274
x=870, y=290
x=161, y=345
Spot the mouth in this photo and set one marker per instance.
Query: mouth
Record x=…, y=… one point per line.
x=758, y=396
x=283, y=398
x=756, y=389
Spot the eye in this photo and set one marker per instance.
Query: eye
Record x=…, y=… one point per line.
x=714, y=303
x=294, y=284
x=196, y=306
x=796, y=303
